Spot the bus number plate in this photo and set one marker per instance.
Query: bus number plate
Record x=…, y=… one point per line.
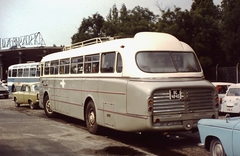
x=175, y=94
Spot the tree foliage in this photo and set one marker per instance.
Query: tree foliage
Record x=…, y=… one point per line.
x=212, y=31
x=230, y=29
x=90, y=28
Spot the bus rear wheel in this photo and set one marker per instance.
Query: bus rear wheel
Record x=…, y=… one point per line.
x=91, y=118
x=47, y=109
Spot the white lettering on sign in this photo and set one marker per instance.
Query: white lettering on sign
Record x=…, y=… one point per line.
x=175, y=94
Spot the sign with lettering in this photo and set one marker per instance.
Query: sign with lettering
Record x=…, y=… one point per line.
x=175, y=94
x=17, y=42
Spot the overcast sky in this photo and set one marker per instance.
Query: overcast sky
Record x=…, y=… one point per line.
x=58, y=20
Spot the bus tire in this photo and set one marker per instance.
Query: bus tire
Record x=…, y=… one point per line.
x=47, y=109
x=91, y=118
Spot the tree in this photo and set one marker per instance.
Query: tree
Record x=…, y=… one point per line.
x=110, y=27
x=206, y=37
x=230, y=29
x=129, y=22
x=177, y=23
x=90, y=28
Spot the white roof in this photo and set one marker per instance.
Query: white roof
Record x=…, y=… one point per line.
x=221, y=83
x=237, y=85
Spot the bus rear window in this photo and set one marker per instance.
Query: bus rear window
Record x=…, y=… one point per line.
x=167, y=62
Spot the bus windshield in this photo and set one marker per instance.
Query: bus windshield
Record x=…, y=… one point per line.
x=167, y=62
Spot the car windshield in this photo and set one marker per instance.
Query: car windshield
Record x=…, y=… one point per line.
x=35, y=87
x=233, y=92
x=167, y=62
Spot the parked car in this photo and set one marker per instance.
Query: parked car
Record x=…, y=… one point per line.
x=220, y=136
x=231, y=101
x=221, y=88
x=27, y=95
x=4, y=91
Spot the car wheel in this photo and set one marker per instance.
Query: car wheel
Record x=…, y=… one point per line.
x=216, y=148
x=31, y=104
x=91, y=118
x=47, y=108
x=16, y=102
x=6, y=96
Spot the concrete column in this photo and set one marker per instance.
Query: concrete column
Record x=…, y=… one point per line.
x=20, y=57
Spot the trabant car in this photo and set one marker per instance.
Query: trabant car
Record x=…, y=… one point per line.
x=221, y=88
x=27, y=95
x=220, y=136
x=231, y=101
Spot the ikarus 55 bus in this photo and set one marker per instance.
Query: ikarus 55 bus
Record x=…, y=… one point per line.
x=151, y=82
x=22, y=73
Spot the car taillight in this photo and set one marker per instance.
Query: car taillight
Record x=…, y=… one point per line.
x=220, y=101
x=216, y=101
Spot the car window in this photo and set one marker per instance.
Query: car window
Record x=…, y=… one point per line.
x=35, y=87
x=222, y=89
x=27, y=89
x=233, y=92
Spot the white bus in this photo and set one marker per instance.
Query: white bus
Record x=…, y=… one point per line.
x=22, y=73
x=151, y=82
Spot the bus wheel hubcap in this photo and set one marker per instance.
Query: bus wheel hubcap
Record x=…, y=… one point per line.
x=48, y=107
x=91, y=118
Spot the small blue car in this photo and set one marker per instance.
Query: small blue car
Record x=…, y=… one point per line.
x=220, y=136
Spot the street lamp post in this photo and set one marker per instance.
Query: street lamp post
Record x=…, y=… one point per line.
x=237, y=72
x=217, y=72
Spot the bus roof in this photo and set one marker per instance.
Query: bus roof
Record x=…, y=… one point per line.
x=25, y=65
x=141, y=41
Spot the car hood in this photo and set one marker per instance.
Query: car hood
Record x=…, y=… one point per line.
x=228, y=123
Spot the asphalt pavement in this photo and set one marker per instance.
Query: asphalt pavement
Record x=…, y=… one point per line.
x=23, y=134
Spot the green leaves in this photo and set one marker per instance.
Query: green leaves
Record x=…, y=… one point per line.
x=212, y=31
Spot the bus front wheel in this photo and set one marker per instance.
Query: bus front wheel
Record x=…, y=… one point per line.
x=47, y=108
x=91, y=118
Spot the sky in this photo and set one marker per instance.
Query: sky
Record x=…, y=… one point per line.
x=59, y=20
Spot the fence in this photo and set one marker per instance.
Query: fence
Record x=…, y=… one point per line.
x=223, y=74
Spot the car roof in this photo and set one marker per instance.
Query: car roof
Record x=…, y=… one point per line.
x=237, y=85
x=222, y=83
x=30, y=83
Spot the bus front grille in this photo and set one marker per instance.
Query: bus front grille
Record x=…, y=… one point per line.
x=190, y=101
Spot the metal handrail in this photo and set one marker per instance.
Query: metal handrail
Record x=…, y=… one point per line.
x=88, y=42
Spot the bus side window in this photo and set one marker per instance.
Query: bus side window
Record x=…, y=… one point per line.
x=91, y=64
x=95, y=67
x=14, y=73
x=26, y=72
x=107, y=63
x=20, y=72
x=64, y=66
x=77, y=65
x=87, y=68
x=32, y=72
x=119, y=63
x=54, y=67
x=46, y=69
